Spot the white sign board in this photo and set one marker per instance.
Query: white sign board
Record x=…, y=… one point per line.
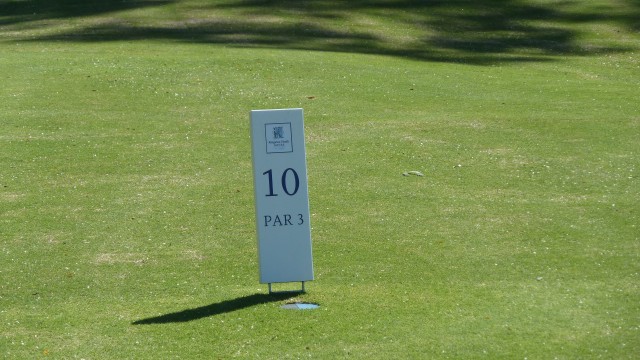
x=281, y=196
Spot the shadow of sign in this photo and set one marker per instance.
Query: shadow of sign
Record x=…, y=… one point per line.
x=213, y=309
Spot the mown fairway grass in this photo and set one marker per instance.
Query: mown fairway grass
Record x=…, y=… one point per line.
x=126, y=201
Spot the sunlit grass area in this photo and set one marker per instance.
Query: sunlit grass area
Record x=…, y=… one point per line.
x=126, y=201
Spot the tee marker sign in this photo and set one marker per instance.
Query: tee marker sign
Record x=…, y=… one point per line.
x=281, y=196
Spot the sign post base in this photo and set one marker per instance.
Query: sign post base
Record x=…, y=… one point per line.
x=302, y=291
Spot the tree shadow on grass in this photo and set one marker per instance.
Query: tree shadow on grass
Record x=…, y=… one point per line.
x=213, y=309
x=470, y=31
x=13, y=11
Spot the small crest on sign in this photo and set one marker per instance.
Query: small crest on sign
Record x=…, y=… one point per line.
x=278, y=138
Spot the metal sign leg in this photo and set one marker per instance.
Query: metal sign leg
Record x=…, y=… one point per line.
x=287, y=291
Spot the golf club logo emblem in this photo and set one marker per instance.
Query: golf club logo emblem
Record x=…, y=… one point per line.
x=278, y=132
x=278, y=136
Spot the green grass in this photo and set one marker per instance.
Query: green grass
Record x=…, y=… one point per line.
x=126, y=200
